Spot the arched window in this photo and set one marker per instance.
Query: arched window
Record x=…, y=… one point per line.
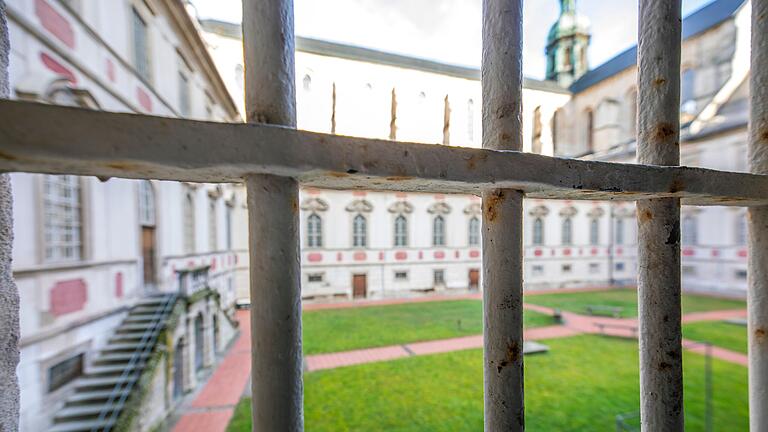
x=589, y=132
x=619, y=231
x=62, y=207
x=741, y=230
x=438, y=231
x=146, y=204
x=474, y=231
x=307, y=82
x=314, y=231
x=359, y=231
x=567, y=231
x=690, y=234
x=401, y=231
x=538, y=231
x=594, y=232
x=189, y=223
x=213, y=237
x=554, y=127
x=536, y=136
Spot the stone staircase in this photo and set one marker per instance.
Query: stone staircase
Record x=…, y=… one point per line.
x=101, y=394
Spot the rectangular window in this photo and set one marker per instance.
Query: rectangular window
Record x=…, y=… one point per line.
x=64, y=372
x=689, y=270
x=63, y=222
x=439, y=277
x=567, y=268
x=141, y=46
x=537, y=270
x=401, y=275
x=594, y=268
x=315, y=277
x=741, y=274
x=213, y=240
x=619, y=266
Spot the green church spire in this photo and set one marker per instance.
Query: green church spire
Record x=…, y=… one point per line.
x=567, y=45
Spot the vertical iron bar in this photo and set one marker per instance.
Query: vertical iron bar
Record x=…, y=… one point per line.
x=757, y=295
x=502, y=220
x=659, y=287
x=273, y=212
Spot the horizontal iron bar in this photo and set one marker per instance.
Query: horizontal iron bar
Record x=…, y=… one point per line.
x=61, y=140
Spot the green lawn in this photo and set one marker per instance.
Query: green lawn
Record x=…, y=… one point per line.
x=718, y=333
x=581, y=385
x=627, y=298
x=365, y=327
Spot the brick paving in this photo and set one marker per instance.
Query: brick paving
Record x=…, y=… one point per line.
x=213, y=407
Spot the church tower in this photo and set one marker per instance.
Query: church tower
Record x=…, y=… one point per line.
x=567, y=45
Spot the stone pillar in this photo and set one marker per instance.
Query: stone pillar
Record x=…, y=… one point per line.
x=9, y=296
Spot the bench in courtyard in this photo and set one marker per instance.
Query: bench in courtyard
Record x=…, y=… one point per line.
x=601, y=310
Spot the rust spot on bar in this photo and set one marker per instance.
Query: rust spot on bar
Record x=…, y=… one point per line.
x=6, y=156
x=492, y=202
x=399, y=178
x=658, y=82
x=472, y=161
x=664, y=131
x=759, y=334
x=122, y=166
x=646, y=216
x=338, y=174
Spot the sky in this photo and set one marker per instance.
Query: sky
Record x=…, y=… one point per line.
x=448, y=31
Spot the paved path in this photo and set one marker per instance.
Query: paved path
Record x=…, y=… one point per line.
x=213, y=407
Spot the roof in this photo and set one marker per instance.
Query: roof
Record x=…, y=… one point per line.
x=357, y=53
x=693, y=25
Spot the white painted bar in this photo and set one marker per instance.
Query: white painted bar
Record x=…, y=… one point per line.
x=136, y=146
x=273, y=212
x=502, y=81
x=757, y=295
x=659, y=287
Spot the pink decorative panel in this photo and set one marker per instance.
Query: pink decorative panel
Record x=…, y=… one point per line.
x=401, y=195
x=421, y=255
x=359, y=256
x=593, y=251
x=119, y=284
x=55, y=23
x=538, y=252
x=689, y=252
x=400, y=255
x=567, y=252
x=439, y=254
x=111, y=70
x=743, y=253
x=58, y=68
x=715, y=253
x=144, y=100
x=457, y=254
x=474, y=253
x=359, y=193
x=315, y=257
x=68, y=296
x=339, y=257
x=381, y=256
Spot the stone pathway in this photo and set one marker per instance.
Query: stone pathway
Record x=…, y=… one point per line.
x=213, y=407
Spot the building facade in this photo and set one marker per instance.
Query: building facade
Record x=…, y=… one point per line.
x=366, y=244
x=86, y=250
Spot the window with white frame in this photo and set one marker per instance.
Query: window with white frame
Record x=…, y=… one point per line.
x=63, y=229
x=401, y=275
x=185, y=105
x=594, y=232
x=689, y=228
x=741, y=230
x=474, y=231
x=594, y=268
x=189, y=223
x=439, y=277
x=315, y=277
x=566, y=268
x=213, y=238
x=359, y=231
x=141, y=57
x=619, y=231
x=438, y=231
x=401, y=231
x=538, y=231
x=314, y=231
x=537, y=270
x=146, y=203
x=471, y=120
x=567, y=232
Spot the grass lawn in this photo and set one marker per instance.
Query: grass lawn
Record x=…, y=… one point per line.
x=581, y=385
x=718, y=333
x=627, y=298
x=374, y=326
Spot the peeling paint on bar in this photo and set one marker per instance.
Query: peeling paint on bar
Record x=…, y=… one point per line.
x=502, y=86
x=658, y=220
x=757, y=296
x=137, y=146
x=273, y=223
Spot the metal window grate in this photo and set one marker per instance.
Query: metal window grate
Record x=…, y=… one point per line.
x=273, y=158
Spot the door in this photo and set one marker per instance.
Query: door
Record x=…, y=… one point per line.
x=359, y=286
x=199, y=348
x=148, y=254
x=474, y=279
x=178, y=370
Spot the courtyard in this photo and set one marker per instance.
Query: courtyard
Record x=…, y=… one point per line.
x=582, y=383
